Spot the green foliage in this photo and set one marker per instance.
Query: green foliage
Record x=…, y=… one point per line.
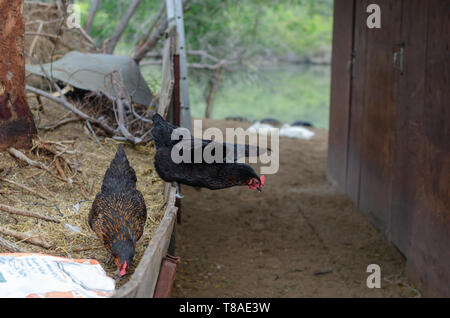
x=111, y=13
x=301, y=26
x=298, y=26
x=286, y=93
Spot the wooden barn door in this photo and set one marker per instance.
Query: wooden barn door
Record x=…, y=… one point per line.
x=340, y=90
x=396, y=113
x=357, y=102
x=421, y=184
x=408, y=149
x=378, y=119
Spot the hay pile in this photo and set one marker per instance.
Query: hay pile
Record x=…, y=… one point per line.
x=74, y=157
x=87, y=160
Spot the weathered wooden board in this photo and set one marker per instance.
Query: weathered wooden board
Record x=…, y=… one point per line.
x=340, y=92
x=357, y=102
x=379, y=116
x=168, y=78
x=398, y=159
x=410, y=104
x=429, y=254
x=142, y=283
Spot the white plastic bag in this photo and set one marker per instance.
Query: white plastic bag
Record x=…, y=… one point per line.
x=46, y=276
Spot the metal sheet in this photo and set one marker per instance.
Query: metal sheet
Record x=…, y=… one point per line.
x=93, y=72
x=166, y=277
x=185, y=119
x=175, y=18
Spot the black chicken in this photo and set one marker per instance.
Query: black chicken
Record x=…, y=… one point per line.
x=203, y=175
x=118, y=213
x=162, y=135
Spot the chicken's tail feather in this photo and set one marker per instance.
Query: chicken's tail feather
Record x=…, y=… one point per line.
x=120, y=176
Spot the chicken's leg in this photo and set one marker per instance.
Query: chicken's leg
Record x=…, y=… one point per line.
x=177, y=186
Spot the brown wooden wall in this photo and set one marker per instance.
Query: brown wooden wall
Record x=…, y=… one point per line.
x=389, y=143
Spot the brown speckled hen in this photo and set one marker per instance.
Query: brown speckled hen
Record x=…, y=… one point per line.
x=118, y=213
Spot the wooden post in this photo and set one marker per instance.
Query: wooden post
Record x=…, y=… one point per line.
x=175, y=18
x=16, y=121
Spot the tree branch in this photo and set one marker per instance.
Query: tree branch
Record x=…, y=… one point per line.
x=95, y=5
x=12, y=210
x=152, y=25
x=24, y=187
x=112, y=42
x=70, y=107
x=151, y=43
x=25, y=237
x=10, y=246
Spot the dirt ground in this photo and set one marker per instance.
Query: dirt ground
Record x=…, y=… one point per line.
x=300, y=237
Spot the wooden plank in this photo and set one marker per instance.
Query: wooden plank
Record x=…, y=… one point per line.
x=429, y=257
x=142, y=283
x=340, y=91
x=357, y=103
x=410, y=104
x=167, y=81
x=379, y=116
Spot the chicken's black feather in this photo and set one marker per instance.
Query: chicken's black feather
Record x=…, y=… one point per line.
x=120, y=176
x=216, y=175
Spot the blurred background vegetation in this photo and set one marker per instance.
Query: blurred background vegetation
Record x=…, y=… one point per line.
x=278, y=52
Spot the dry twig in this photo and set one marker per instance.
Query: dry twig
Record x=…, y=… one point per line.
x=10, y=246
x=25, y=237
x=13, y=210
x=19, y=155
x=25, y=188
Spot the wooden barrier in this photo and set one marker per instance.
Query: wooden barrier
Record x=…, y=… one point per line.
x=389, y=147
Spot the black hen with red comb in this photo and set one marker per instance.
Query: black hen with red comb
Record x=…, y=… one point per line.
x=211, y=175
x=118, y=213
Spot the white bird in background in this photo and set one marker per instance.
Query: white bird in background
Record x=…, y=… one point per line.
x=286, y=130
x=296, y=132
x=262, y=129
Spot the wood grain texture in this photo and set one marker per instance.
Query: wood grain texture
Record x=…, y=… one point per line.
x=340, y=91
x=411, y=92
x=398, y=159
x=429, y=256
x=379, y=116
x=357, y=103
x=16, y=121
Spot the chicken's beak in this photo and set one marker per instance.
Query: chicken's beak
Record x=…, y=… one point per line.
x=259, y=189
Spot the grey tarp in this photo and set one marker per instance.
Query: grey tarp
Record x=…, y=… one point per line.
x=93, y=72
